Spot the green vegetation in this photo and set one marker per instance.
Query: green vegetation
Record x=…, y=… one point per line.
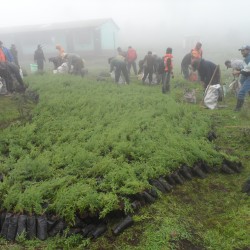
x=88, y=146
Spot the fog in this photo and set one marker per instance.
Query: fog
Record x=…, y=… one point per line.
x=222, y=26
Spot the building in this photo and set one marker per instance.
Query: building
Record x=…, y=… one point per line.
x=89, y=38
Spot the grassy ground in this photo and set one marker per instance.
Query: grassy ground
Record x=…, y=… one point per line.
x=209, y=213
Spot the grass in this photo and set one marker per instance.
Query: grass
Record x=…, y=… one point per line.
x=201, y=214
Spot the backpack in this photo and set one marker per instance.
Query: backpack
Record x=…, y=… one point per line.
x=131, y=55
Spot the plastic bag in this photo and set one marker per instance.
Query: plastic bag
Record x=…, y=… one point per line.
x=212, y=96
x=12, y=229
x=31, y=226
x=21, y=225
x=42, y=227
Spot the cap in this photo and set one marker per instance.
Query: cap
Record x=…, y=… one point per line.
x=245, y=47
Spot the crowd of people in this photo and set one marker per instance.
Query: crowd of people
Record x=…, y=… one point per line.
x=63, y=63
x=152, y=69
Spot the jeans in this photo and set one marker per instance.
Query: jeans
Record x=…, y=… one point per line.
x=166, y=83
x=245, y=87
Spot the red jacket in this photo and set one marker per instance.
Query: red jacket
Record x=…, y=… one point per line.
x=131, y=55
x=168, y=57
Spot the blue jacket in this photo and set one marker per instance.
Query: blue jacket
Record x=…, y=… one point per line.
x=8, y=54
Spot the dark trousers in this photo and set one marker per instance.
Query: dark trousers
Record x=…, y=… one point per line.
x=121, y=68
x=16, y=72
x=166, y=83
x=133, y=64
x=148, y=72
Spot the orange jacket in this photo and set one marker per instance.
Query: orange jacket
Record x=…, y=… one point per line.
x=166, y=58
x=196, y=54
x=2, y=56
x=61, y=50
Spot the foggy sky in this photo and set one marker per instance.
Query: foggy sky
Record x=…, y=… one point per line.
x=147, y=24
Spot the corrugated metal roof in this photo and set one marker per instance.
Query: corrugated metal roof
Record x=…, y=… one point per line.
x=94, y=23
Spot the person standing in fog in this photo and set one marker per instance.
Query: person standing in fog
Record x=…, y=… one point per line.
x=131, y=59
x=148, y=64
x=14, y=53
x=39, y=58
x=168, y=63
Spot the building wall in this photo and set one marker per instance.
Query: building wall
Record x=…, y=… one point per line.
x=108, y=36
x=85, y=41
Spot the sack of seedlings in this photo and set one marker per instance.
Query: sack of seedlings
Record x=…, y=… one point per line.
x=12, y=229
x=31, y=227
x=42, y=227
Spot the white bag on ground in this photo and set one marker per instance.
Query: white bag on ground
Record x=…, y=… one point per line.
x=3, y=89
x=63, y=69
x=212, y=95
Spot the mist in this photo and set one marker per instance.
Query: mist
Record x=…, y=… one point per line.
x=221, y=26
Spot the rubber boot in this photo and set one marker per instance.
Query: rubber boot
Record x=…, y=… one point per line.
x=239, y=104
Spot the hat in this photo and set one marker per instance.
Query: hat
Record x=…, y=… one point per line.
x=245, y=47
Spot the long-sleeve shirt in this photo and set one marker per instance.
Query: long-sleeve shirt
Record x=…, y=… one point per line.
x=206, y=70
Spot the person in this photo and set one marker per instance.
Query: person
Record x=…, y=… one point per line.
x=131, y=58
x=196, y=52
x=61, y=51
x=119, y=65
x=245, y=77
x=159, y=68
x=148, y=65
x=185, y=64
x=236, y=65
x=168, y=71
x=5, y=54
x=39, y=58
x=121, y=52
x=206, y=69
x=7, y=70
x=57, y=61
x=75, y=64
x=14, y=53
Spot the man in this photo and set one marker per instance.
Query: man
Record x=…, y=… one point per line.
x=39, y=58
x=75, y=64
x=61, y=51
x=206, y=69
x=196, y=52
x=14, y=53
x=148, y=65
x=7, y=55
x=121, y=52
x=236, y=66
x=168, y=62
x=245, y=77
x=159, y=68
x=131, y=58
x=118, y=64
x=185, y=63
